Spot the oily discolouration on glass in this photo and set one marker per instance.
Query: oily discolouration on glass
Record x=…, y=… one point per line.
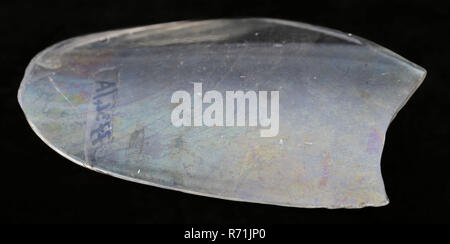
x=104, y=101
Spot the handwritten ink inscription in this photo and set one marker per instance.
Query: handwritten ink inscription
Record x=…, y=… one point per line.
x=103, y=101
x=99, y=133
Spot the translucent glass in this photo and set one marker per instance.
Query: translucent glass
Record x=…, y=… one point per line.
x=104, y=101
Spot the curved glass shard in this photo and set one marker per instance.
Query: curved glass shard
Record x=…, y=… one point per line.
x=258, y=110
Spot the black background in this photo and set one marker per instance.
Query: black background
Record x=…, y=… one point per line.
x=40, y=186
